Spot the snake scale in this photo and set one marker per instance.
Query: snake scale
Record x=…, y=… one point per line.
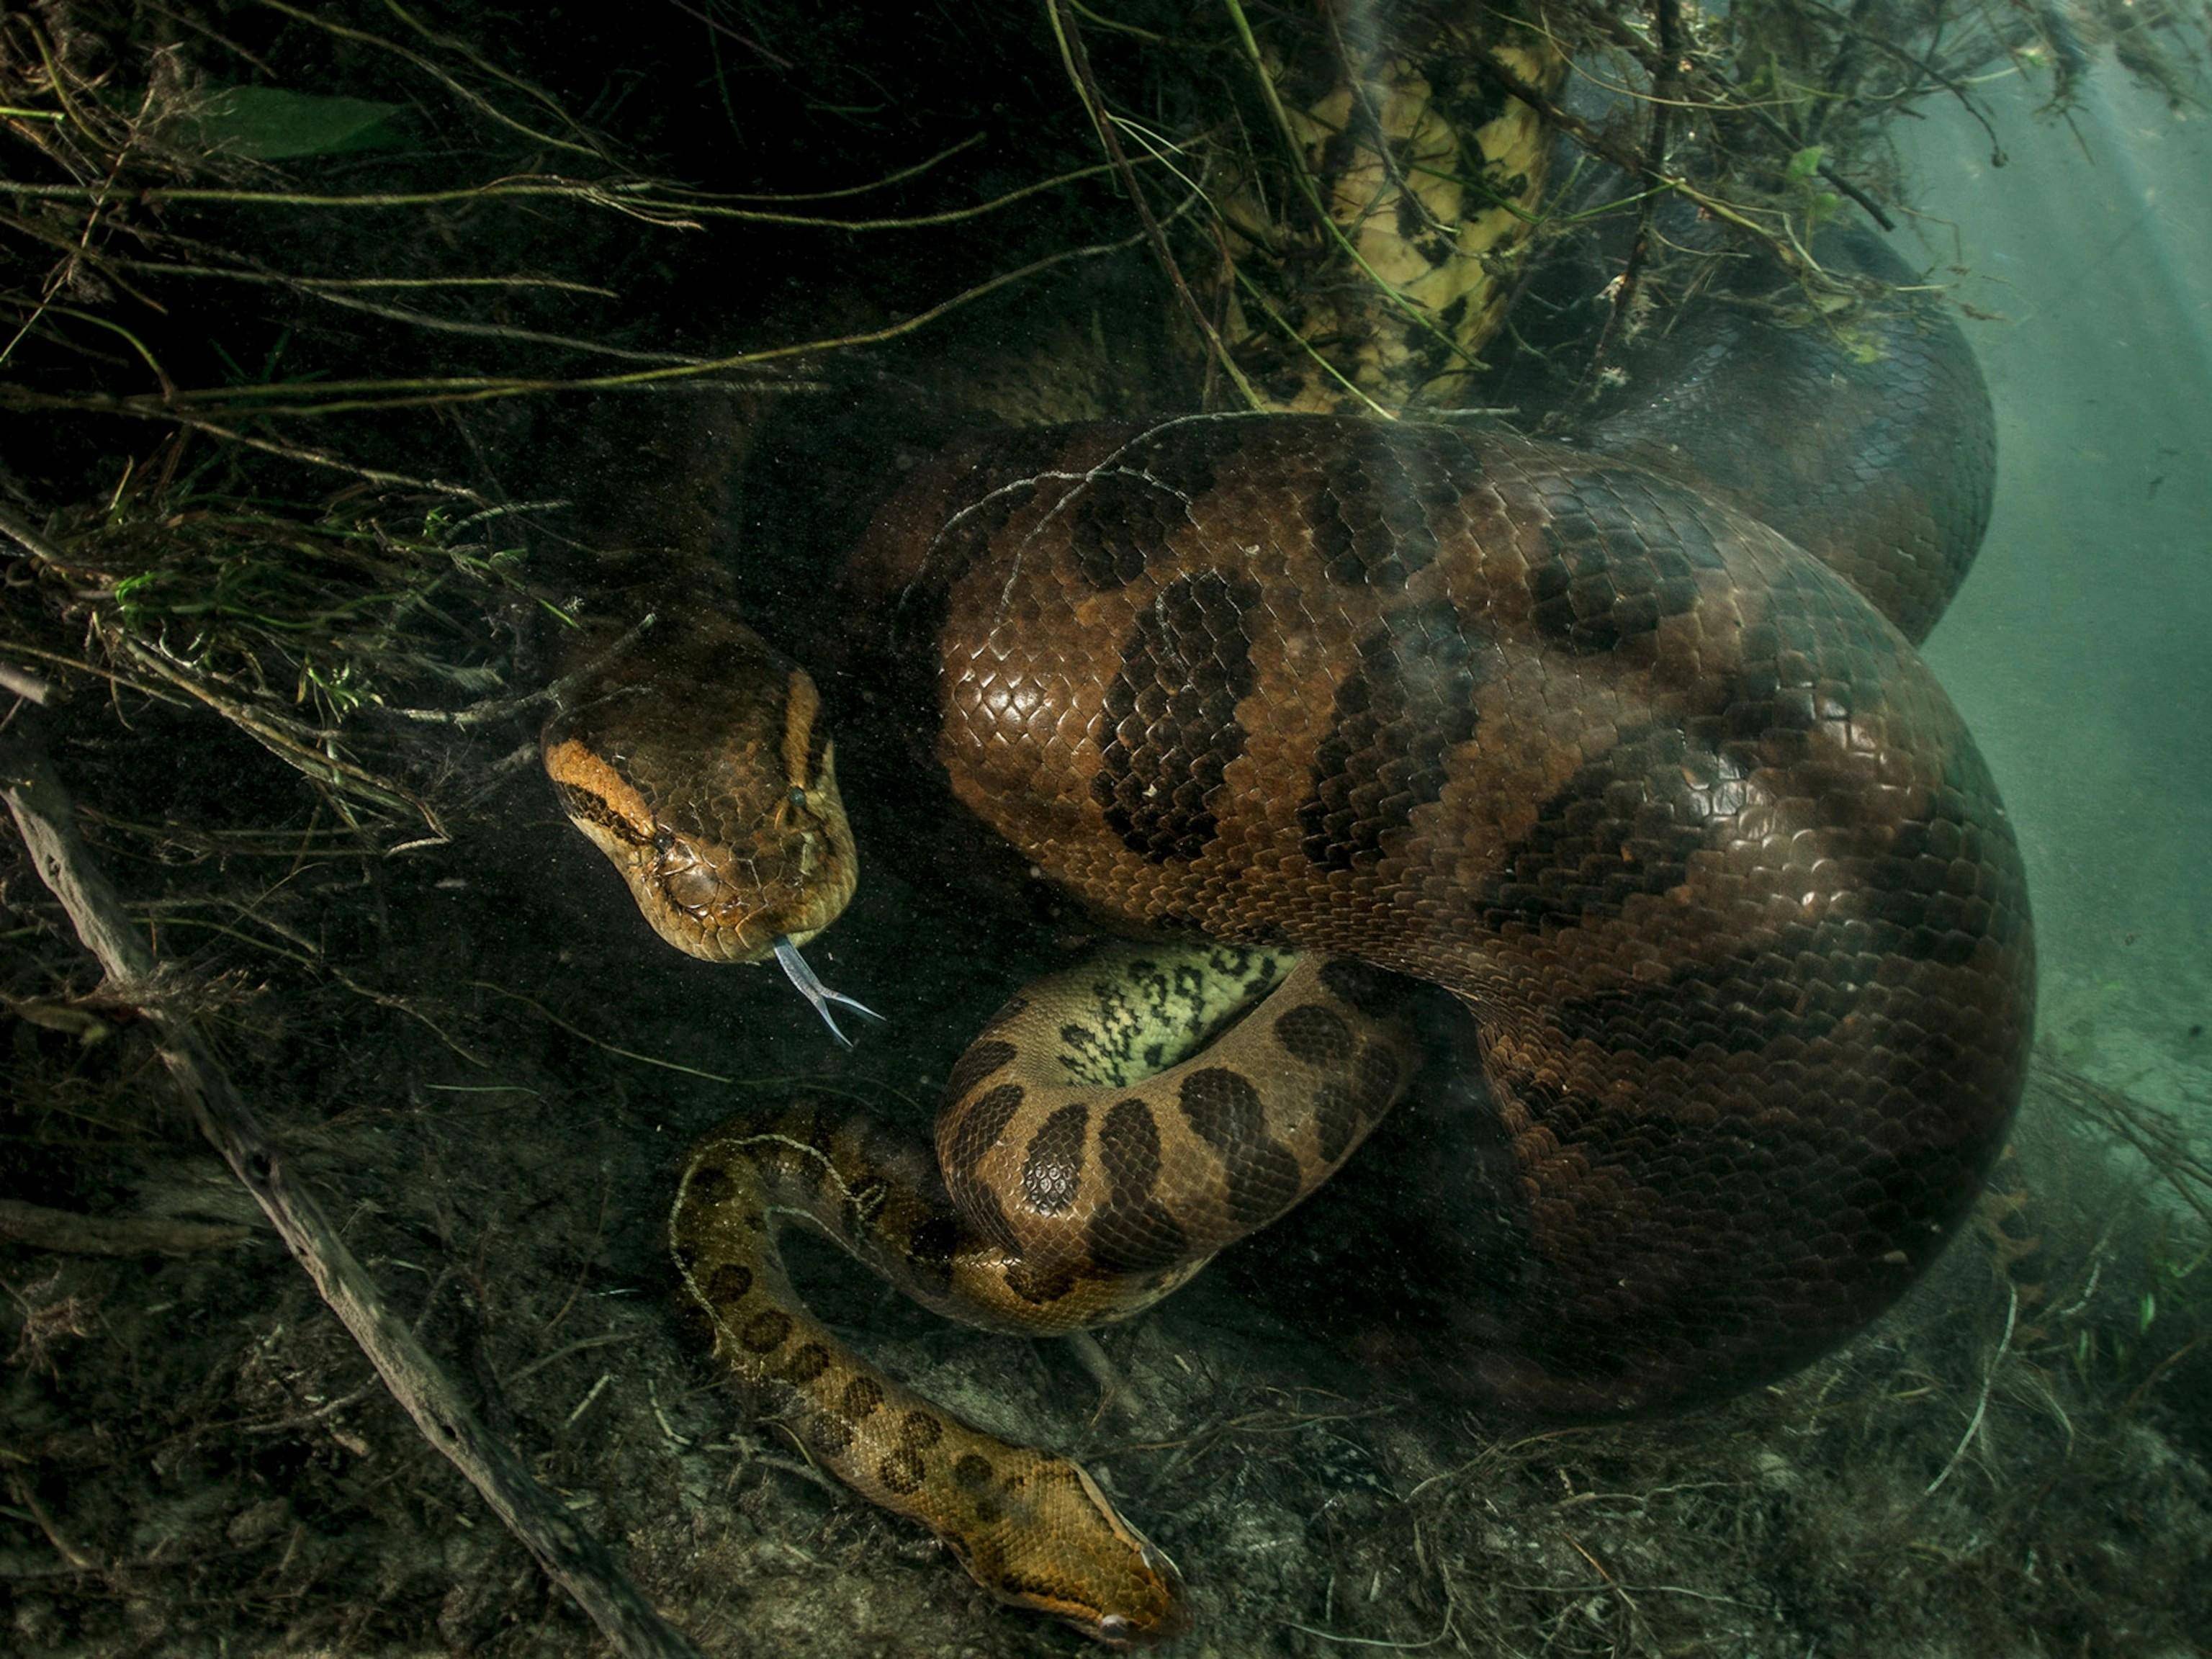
x=1574, y=731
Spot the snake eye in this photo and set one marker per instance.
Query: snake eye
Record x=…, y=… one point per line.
x=663, y=841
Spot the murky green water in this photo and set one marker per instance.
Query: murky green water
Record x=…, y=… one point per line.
x=367, y=371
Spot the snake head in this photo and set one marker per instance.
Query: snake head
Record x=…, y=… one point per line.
x=1044, y=1537
x=699, y=766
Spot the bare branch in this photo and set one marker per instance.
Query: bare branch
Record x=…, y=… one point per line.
x=572, y=1556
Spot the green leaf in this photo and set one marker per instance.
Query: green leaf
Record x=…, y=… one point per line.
x=266, y=124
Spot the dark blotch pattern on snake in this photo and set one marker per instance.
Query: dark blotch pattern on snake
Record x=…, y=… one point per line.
x=1172, y=729
x=1676, y=813
x=1666, y=802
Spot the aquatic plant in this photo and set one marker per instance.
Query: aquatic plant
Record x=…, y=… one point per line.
x=335, y=341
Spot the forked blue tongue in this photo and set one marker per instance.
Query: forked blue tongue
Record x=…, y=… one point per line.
x=816, y=992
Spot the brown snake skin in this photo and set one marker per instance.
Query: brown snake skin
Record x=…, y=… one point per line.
x=1687, y=824
x=1030, y=1232
x=1672, y=809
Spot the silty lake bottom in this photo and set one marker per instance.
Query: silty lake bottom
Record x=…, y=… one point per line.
x=285, y=584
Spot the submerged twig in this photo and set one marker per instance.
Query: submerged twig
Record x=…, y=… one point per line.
x=1629, y=161
x=1418, y=318
x=2160, y=1139
x=23, y=683
x=571, y=1556
x=70, y=1234
x=1094, y=103
x=1982, y=1403
x=469, y=389
x=1625, y=287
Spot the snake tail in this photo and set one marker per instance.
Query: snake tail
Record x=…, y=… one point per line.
x=1080, y=1226
x=1031, y=1528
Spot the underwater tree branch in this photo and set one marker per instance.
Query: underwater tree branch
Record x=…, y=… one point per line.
x=1665, y=77
x=505, y=708
x=1668, y=64
x=1784, y=248
x=68, y=1233
x=1288, y=330
x=655, y=203
x=295, y=747
x=474, y=99
x=476, y=60
x=1327, y=221
x=21, y=682
x=2160, y=1139
x=29, y=540
x=1077, y=61
x=722, y=29
x=913, y=170
x=13, y=396
x=1950, y=83
x=570, y=1555
x=466, y=389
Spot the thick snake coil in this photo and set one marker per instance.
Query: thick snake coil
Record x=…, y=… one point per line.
x=1574, y=733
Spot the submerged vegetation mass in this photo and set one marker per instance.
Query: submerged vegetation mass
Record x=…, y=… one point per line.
x=346, y=352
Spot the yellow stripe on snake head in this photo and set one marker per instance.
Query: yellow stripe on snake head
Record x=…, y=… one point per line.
x=720, y=807
x=802, y=704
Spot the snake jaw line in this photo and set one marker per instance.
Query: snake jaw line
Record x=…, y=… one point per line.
x=703, y=772
x=1172, y=1617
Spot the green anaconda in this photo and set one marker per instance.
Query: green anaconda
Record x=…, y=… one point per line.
x=1599, y=736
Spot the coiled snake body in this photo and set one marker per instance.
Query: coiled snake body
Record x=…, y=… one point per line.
x=1674, y=809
